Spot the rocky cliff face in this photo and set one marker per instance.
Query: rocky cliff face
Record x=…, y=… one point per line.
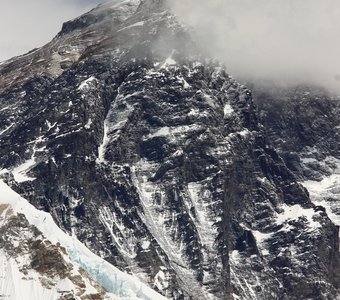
x=154, y=158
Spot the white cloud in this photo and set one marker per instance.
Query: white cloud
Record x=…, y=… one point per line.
x=288, y=40
x=27, y=24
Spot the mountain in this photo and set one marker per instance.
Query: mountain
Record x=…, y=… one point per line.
x=159, y=162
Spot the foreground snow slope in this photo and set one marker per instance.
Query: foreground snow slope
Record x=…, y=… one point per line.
x=15, y=285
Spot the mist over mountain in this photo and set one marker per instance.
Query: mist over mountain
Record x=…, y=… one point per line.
x=285, y=41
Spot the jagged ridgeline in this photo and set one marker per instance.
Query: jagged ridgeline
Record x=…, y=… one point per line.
x=154, y=158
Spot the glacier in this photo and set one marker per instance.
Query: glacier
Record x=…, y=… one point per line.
x=118, y=284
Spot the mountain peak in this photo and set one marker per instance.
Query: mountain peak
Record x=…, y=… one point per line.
x=108, y=14
x=112, y=26
x=113, y=12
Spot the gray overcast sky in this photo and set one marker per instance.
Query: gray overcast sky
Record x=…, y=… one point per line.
x=27, y=24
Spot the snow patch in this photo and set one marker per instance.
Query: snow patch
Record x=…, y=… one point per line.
x=295, y=212
x=20, y=172
x=243, y=133
x=141, y=23
x=88, y=124
x=6, y=108
x=228, y=110
x=86, y=84
x=138, y=24
x=164, y=131
x=235, y=257
x=261, y=239
x=6, y=129
x=173, y=132
x=162, y=280
x=145, y=245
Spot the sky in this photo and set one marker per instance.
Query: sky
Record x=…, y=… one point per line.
x=29, y=24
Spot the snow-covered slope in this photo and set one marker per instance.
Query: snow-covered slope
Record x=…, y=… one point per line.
x=85, y=273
